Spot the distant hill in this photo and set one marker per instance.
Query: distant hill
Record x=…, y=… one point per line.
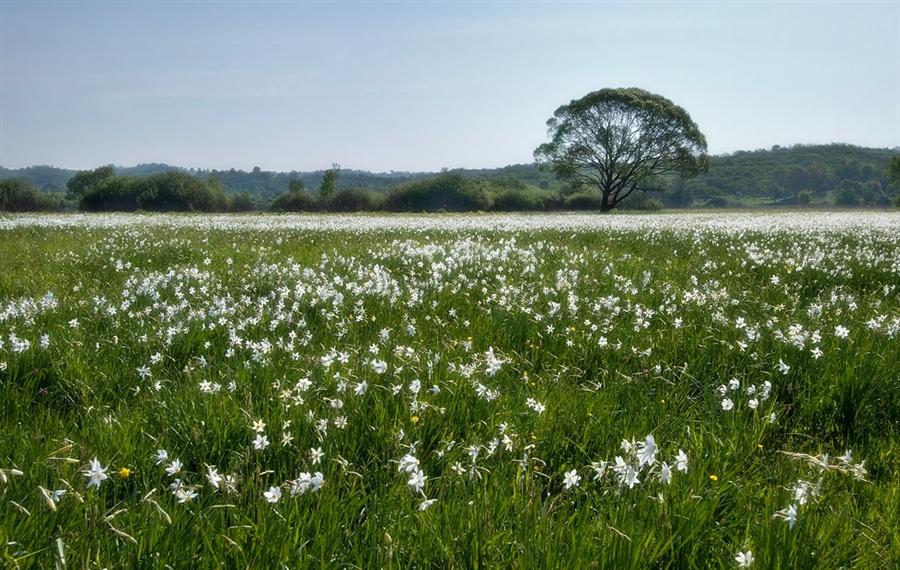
x=760, y=177
x=780, y=173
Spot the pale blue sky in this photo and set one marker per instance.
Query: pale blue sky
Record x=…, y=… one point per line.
x=293, y=85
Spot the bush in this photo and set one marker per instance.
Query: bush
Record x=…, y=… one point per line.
x=588, y=200
x=517, y=201
x=164, y=192
x=295, y=201
x=243, y=202
x=450, y=192
x=716, y=202
x=18, y=195
x=352, y=200
x=642, y=203
x=848, y=193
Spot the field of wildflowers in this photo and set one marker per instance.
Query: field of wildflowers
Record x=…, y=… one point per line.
x=568, y=391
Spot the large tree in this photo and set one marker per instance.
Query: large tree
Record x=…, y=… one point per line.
x=622, y=140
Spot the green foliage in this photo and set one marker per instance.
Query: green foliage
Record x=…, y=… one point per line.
x=622, y=140
x=18, y=195
x=804, y=197
x=243, y=202
x=716, y=202
x=648, y=205
x=892, y=173
x=86, y=181
x=297, y=200
x=782, y=172
x=353, y=200
x=449, y=192
x=329, y=182
x=586, y=200
x=164, y=192
x=759, y=178
x=848, y=193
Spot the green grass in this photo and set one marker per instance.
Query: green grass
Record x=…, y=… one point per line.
x=541, y=346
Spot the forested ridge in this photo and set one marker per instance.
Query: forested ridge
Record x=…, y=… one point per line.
x=835, y=174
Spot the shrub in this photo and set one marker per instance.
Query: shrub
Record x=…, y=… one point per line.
x=164, y=192
x=243, y=202
x=716, y=202
x=588, y=200
x=352, y=200
x=450, y=192
x=295, y=201
x=18, y=195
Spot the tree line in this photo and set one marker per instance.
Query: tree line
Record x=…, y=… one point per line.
x=840, y=175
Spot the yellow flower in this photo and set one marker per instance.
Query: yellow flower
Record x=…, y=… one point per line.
x=714, y=477
x=124, y=472
x=415, y=419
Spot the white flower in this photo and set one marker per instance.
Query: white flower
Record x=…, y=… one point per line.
x=213, y=476
x=681, y=461
x=789, y=514
x=261, y=442
x=427, y=503
x=599, y=469
x=665, y=473
x=571, y=479
x=174, y=467
x=361, y=388
x=316, y=481
x=184, y=494
x=841, y=332
x=408, y=463
x=727, y=404
x=782, y=367
x=417, y=481
x=647, y=451
x=300, y=484
x=744, y=559
x=753, y=403
x=315, y=455
x=630, y=477
x=96, y=473
x=161, y=456
x=273, y=494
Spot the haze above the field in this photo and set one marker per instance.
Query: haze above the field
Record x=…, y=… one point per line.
x=418, y=86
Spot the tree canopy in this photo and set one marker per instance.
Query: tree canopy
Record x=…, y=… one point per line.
x=622, y=140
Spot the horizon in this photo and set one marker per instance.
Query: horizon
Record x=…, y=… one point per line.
x=774, y=148
x=386, y=86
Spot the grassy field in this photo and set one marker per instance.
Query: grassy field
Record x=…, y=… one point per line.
x=571, y=391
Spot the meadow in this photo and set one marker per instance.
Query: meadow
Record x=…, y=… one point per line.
x=450, y=391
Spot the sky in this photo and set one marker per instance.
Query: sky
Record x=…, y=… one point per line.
x=422, y=85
